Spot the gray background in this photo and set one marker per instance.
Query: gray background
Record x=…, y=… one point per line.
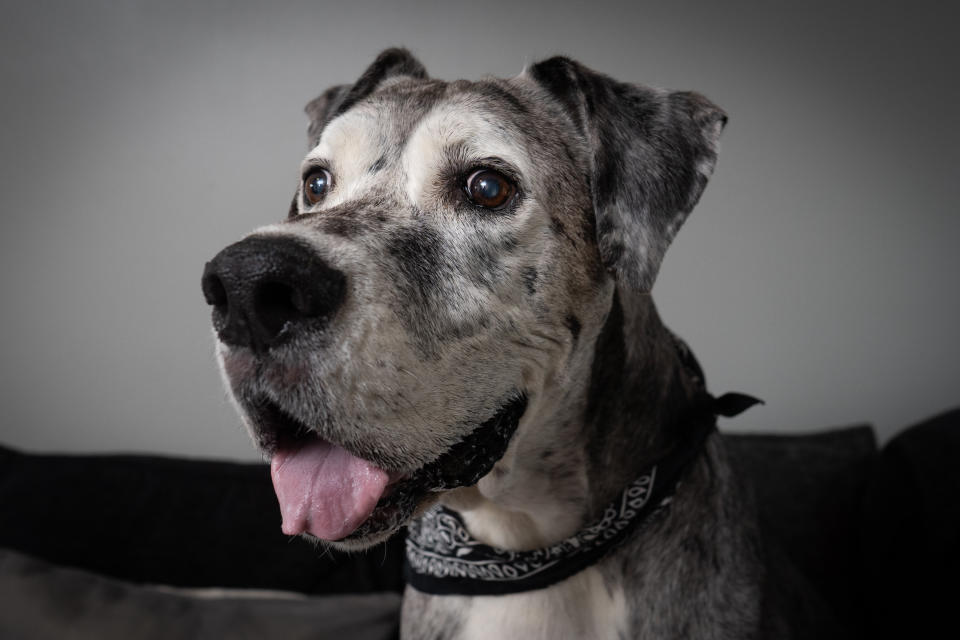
x=819, y=271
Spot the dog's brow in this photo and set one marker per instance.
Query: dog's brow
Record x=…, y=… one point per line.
x=356, y=128
x=348, y=147
x=453, y=132
x=312, y=164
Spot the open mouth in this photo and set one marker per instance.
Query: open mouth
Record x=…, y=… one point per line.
x=326, y=491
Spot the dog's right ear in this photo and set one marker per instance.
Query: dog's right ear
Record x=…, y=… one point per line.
x=335, y=100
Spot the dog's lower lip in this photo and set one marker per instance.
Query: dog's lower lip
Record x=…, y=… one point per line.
x=395, y=480
x=279, y=430
x=461, y=465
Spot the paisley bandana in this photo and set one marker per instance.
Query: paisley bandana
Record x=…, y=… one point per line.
x=443, y=558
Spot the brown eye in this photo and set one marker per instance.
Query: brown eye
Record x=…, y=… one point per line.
x=316, y=185
x=489, y=189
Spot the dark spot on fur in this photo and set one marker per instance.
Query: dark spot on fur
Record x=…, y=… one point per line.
x=341, y=226
x=563, y=472
x=614, y=250
x=416, y=252
x=529, y=276
x=693, y=545
x=545, y=455
x=573, y=324
x=484, y=268
x=495, y=90
x=609, y=181
x=557, y=226
x=560, y=229
x=588, y=230
x=606, y=226
x=588, y=225
x=558, y=76
x=380, y=163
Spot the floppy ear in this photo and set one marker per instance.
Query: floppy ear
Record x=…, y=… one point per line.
x=337, y=99
x=651, y=151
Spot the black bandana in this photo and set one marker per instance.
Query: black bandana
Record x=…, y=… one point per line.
x=443, y=558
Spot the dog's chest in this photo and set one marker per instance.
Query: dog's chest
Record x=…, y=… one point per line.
x=584, y=606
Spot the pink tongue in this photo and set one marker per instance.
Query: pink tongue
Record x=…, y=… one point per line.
x=325, y=490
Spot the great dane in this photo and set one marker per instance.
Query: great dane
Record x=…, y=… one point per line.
x=453, y=330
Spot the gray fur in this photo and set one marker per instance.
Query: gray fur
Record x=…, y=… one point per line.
x=450, y=309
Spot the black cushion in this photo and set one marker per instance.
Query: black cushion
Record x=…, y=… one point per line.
x=155, y=519
x=910, y=549
x=809, y=489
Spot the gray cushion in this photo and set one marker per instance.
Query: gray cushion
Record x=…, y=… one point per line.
x=43, y=600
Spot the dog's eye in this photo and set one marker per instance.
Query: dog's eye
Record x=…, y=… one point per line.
x=316, y=185
x=489, y=189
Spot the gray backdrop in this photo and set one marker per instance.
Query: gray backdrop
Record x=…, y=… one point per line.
x=818, y=272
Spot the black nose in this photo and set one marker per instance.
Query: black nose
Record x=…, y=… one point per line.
x=266, y=289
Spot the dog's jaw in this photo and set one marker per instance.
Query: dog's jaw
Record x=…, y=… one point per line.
x=347, y=493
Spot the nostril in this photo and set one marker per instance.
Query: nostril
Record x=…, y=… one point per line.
x=213, y=290
x=276, y=304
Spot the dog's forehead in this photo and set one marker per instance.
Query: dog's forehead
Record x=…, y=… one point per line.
x=470, y=123
x=421, y=124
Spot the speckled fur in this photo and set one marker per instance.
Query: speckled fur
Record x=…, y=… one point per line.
x=451, y=308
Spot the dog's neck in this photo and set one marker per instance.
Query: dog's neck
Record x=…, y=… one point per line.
x=584, y=445
x=639, y=390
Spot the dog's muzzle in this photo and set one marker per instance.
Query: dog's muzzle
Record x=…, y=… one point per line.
x=265, y=290
x=269, y=290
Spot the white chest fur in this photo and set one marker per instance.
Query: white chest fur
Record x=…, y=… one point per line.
x=583, y=606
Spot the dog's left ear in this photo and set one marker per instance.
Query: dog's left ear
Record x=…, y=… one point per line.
x=651, y=152
x=337, y=99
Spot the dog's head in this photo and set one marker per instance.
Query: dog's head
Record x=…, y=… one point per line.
x=450, y=254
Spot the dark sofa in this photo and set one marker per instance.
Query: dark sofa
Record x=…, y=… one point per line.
x=117, y=546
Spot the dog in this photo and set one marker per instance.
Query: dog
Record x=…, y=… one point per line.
x=453, y=330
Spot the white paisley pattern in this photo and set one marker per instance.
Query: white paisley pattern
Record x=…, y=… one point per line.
x=439, y=545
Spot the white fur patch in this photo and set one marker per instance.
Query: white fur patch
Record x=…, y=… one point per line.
x=578, y=608
x=349, y=146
